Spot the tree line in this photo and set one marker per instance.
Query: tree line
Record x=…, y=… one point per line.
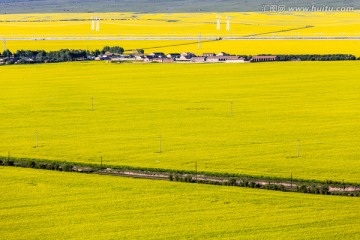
x=63, y=55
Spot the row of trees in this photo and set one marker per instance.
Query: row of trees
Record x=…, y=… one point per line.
x=63, y=55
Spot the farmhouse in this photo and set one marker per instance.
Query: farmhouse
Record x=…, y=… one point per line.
x=148, y=58
x=173, y=55
x=263, y=58
x=103, y=57
x=222, y=54
x=159, y=60
x=198, y=59
x=235, y=59
x=216, y=59
x=157, y=55
x=122, y=58
x=209, y=54
x=168, y=60
x=188, y=55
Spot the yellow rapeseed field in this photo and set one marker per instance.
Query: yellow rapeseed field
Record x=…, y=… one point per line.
x=273, y=106
x=38, y=204
x=271, y=25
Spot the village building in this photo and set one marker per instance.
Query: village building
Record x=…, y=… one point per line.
x=157, y=55
x=103, y=57
x=209, y=54
x=168, y=60
x=139, y=58
x=173, y=55
x=235, y=59
x=123, y=58
x=159, y=60
x=188, y=55
x=148, y=58
x=222, y=54
x=263, y=58
x=198, y=59
x=216, y=59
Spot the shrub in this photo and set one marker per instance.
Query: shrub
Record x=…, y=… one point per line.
x=67, y=167
x=303, y=189
x=232, y=182
x=177, y=178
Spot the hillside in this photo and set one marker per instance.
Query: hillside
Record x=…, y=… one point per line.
x=42, y=6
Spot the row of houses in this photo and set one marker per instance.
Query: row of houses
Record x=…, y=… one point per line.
x=188, y=57
x=159, y=57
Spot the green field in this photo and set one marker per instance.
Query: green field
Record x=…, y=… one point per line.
x=38, y=204
x=189, y=105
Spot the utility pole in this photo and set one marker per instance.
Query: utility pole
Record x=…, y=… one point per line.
x=291, y=181
x=298, y=148
x=160, y=144
x=196, y=171
x=37, y=140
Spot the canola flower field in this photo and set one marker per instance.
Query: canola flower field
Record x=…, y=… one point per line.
x=42, y=204
x=269, y=119
x=16, y=27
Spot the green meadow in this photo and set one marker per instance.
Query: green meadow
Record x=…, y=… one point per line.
x=267, y=119
x=42, y=204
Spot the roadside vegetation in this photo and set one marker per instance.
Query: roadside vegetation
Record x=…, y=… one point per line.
x=327, y=187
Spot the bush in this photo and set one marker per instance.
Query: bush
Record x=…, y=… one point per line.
x=232, y=182
x=188, y=179
x=67, y=167
x=177, y=178
x=303, y=189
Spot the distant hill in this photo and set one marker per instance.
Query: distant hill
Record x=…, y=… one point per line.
x=48, y=6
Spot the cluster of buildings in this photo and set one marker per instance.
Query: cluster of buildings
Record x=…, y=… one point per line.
x=185, y=57
x=155, y=57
